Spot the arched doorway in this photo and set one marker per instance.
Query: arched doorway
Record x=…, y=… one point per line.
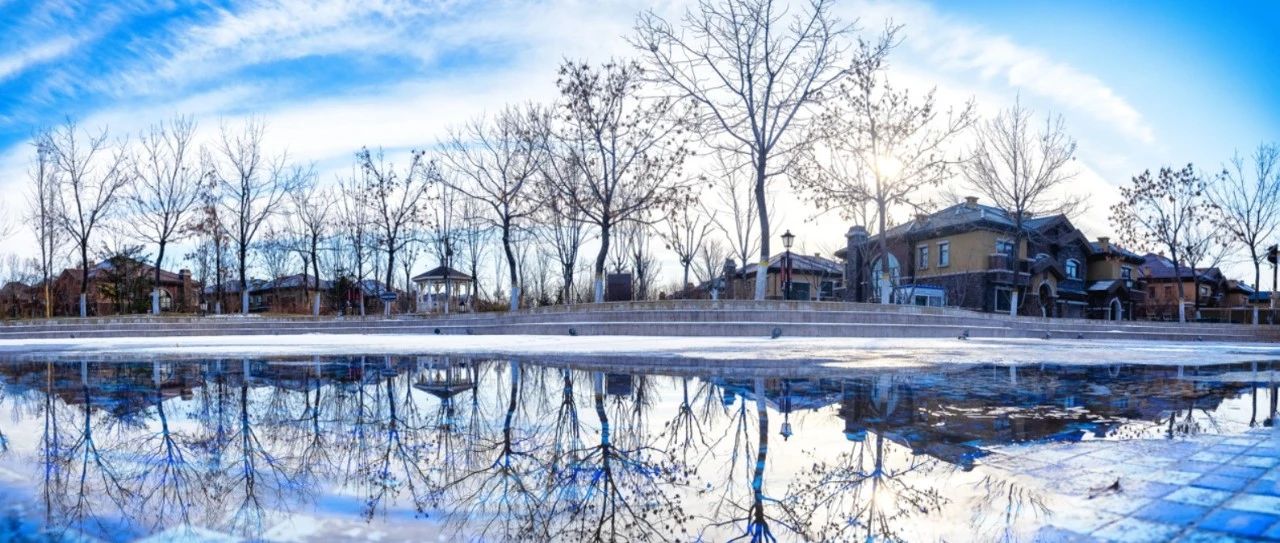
x=1045, y=293
x=1116, y=311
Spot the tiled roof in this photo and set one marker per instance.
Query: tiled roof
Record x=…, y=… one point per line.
x=966, y=213
x=1160, y=267
x=800, y=263
x=439, y=272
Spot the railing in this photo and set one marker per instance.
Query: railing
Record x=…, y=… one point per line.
x=1236, y=315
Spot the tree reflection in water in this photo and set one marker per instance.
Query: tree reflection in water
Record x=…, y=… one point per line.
x=514, y=450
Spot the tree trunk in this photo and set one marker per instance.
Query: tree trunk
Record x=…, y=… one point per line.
x=84, y=278
x=1177, y=277
x=244, y=283
x=882, y=240
x=1257, y=268
x=155, y=287
x=512, y=272
x=601, y=257
x=762, y=271
x=315, y=273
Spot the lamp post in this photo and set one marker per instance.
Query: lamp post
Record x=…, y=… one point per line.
x=1273, y=255
x=448, y=261
x=787, y=239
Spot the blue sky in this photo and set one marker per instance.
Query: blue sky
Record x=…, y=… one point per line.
x=1140, y=84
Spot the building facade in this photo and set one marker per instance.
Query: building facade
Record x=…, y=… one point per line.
x=974, y=256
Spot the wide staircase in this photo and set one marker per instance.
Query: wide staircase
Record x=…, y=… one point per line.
x=734, y=318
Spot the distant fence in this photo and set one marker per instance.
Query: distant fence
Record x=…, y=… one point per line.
x=1239, y=315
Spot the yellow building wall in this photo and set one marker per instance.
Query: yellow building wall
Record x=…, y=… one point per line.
x=970, y=252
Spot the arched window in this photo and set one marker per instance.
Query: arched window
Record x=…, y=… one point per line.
x=877, y=269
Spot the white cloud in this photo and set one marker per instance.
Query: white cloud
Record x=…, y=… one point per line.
x=957, y=47
x=20, y=61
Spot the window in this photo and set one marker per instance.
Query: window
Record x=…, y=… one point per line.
x=1168, y=292
x=944, y=254
x=877, y=268
x=922, y=263
x=1004, y=246
x=1004, y=298
x=1126, y=272
x=1073, y=269
x=827, y=290
x=1204, y=291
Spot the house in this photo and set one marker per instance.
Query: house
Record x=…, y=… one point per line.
x=288, y=294
x=20, y=301
x=960, y=256
x=1115, y=290
x=964, y=256
x=1203, y=288
x=812, y=277
x=121, y=285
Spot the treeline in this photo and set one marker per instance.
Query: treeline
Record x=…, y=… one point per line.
x=680, y=149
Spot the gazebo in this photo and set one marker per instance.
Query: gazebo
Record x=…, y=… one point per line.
x=438, y=290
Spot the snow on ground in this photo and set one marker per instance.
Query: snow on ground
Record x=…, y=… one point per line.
x=861, y=352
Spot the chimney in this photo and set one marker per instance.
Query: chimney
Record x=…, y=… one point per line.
x=1105, y=243
x=971, y=201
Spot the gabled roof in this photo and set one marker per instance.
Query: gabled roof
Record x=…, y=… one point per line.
x=1159, y=267
x=438, y=272
x=800, y=264
x=1113, y=249
x=106, y=266
x=973, y=216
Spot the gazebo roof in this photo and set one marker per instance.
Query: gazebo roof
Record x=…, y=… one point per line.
x=438, y=274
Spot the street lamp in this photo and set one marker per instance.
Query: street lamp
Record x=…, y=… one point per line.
x=787, y=239
x=448, y=261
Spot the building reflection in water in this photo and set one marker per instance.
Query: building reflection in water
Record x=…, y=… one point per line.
x=502, y=450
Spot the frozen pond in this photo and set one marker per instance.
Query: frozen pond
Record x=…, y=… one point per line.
x=483, y=448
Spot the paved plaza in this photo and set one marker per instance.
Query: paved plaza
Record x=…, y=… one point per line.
x=1203, y=488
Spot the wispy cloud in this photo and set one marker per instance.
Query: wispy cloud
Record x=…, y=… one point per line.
x=15, y=63
x=954, y=46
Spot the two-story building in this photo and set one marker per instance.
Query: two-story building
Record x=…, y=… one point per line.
x=1201, y=288
x=964, y=256
x=1115, y=289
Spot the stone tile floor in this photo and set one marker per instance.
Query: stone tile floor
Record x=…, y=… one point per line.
x=1202, y=488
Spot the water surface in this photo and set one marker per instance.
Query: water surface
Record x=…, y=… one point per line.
x=427, y=447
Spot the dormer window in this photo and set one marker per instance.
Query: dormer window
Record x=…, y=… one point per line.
x=1073, y=269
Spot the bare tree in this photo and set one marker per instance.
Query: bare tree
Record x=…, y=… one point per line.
x=878, y=147
x=43, y=216
x=1158, y=212
x=312, y=207
x=1249, y=201
x=1205, y=244
x=474, y=236
x=562, y=226
x=687, y=229
x=252, y=187
x=710, y=260
x=166, y=189
x=733, y=187
x=754, y=70
x=396, y=201
x=355, y=220
x=1023, y=172
x=629, y=148
x=91, y=177
x=443, y=239
x=499, y=161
